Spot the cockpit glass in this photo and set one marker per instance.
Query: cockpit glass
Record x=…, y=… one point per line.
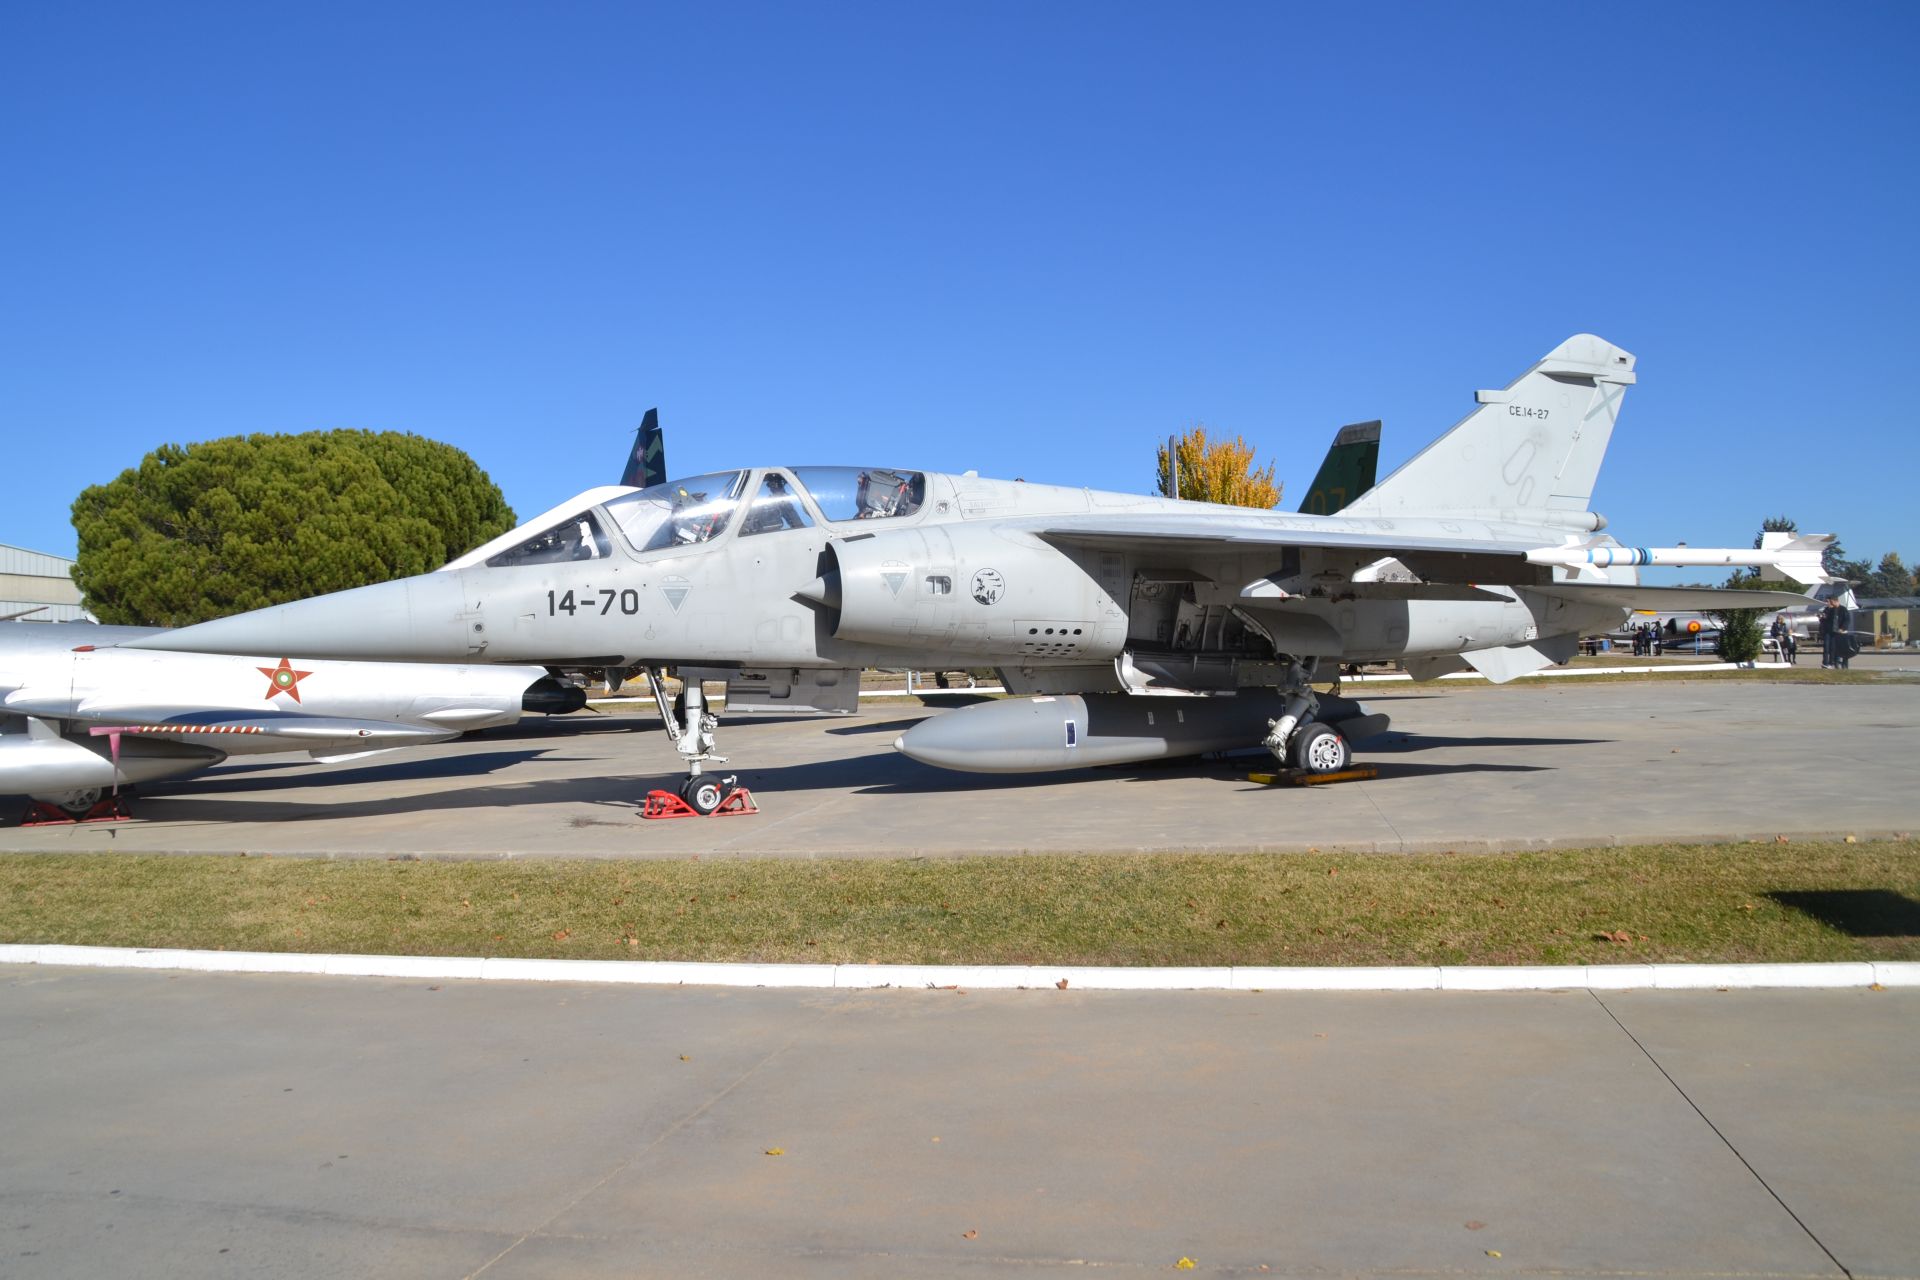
x=774, y=508
x=578, y=537
x=679, y=513
x=863, y=493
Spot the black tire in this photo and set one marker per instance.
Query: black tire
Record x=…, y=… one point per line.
x=1320, y=748
x=703, y=794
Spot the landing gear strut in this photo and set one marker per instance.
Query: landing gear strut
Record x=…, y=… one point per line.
x=691, y=730
x=1296, y=739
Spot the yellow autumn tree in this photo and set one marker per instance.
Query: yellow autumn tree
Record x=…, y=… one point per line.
x=1220, y=471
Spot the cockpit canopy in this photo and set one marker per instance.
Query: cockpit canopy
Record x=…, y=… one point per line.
x=578, y=537
x=863, y=493
x=679, y=513
x=686, y=513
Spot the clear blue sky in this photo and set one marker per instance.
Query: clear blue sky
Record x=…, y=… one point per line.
x=1032, y=239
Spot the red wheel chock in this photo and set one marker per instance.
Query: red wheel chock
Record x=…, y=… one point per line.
x=665, y=804
x=42, y=814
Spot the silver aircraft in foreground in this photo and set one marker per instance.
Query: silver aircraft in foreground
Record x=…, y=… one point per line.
x=81, y=717
x=1137, y=627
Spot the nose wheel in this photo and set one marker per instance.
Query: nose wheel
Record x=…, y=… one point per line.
x=703, y=792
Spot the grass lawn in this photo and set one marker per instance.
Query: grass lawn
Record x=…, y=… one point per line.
x=1747, y=902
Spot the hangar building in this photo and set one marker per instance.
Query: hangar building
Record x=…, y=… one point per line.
x=38, y=587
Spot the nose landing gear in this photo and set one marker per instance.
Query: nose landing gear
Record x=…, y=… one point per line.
x=692, y=733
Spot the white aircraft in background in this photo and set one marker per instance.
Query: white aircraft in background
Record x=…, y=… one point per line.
x=81, y=719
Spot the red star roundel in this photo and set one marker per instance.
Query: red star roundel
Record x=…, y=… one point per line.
x=283, y=679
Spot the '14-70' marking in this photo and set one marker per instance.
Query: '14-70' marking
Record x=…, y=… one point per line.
x=629, y=601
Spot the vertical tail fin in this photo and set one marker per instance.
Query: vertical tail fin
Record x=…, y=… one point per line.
x=647, y=464
x=1531, y=449
x=1348, y=470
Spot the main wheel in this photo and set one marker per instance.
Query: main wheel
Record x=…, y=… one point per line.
x=78, y=803
x=1319, y=748
x=703, y=794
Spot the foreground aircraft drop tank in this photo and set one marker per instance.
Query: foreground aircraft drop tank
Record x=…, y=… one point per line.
x=42, y=763
x=1082, y=731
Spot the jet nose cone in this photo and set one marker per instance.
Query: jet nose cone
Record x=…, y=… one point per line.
x=420, y=619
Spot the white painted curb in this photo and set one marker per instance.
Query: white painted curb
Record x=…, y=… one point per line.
x=1547, y=673
x=1601, y=977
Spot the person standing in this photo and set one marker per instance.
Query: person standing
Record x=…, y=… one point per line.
x=1831, y=635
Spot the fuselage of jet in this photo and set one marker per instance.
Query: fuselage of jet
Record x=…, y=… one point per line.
x=966, y=576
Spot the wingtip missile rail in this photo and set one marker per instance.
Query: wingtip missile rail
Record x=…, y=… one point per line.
x=1779, y=555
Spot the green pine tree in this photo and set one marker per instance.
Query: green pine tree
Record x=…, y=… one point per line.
x=204, y=530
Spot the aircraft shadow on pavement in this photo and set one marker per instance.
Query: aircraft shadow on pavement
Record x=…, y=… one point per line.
x=1396, y=743
x=1406, y=769
x=1858, y=913
x=224, y=781
x=624, y=794
x=879, y=726
x=579, y=723
x=884, y=774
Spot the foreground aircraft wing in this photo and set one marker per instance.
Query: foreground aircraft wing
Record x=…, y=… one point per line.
x=1446, y=562
x=1228, y=534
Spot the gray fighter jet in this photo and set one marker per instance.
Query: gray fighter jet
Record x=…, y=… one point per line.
x=1136, y=627
x=81, y=717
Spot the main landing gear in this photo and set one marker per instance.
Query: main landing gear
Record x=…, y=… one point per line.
x=690, y=727
x=1297, y=740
